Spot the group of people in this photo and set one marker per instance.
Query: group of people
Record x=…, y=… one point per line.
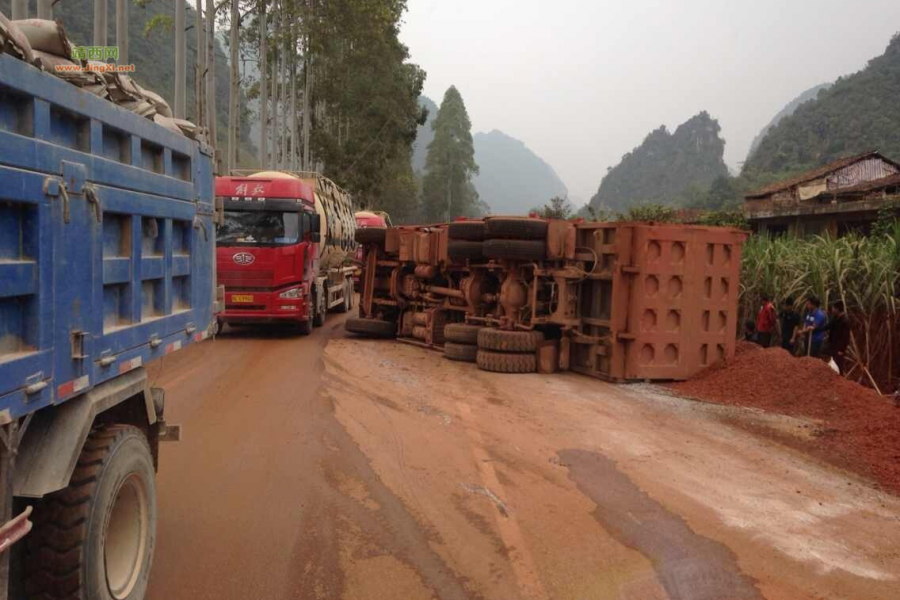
x=811, y=334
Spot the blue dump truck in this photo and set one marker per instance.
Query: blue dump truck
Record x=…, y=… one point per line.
x=107, y=257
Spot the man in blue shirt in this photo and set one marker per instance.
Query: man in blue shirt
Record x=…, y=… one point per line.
x=815, y=324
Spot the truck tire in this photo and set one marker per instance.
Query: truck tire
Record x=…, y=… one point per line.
x=500, y=340
x=506, y=362
x=305, y=327
x=371, y=327
x=519, y=228
x=472, y=231
x=95, y=538
x=461, y=352
x=370, y=235
x=463, y=249
x=516, y=249
x=462, y=333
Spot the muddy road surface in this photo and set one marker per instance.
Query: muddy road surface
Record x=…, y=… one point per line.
x=326, y=467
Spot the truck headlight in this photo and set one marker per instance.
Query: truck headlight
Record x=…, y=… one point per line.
x=292, y=294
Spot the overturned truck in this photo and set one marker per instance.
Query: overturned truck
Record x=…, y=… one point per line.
x=619, y=301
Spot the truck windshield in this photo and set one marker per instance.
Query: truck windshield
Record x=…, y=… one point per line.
x=259, y=228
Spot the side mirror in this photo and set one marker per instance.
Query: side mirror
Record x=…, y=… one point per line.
x=315, y=237
x=316, y=224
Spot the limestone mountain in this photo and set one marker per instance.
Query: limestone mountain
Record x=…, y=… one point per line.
x=512, y=178
x=787, y=111
x=667, y=168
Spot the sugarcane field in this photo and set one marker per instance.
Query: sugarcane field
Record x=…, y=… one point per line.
x=418, y=300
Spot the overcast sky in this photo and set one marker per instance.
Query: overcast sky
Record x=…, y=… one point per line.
x=582, y=82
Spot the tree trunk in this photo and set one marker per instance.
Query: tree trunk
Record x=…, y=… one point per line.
x=200, y=98
x=275, y=140
x=211, y=70
x=307, y=90
x=285, y=28
x=180, y=58
x=122, y=30
x=100, y=22
x=233, y=88
x=263, y=89
x=294, y=153
x=19, y=9
x=45, y=9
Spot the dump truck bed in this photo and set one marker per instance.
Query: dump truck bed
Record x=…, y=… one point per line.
x=106, y=240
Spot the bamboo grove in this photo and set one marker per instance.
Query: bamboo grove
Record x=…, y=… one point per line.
x=863, y=272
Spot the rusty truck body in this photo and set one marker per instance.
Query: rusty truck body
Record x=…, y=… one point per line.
x=619, y=301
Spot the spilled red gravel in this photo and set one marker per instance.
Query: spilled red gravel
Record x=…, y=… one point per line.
x=861, y=430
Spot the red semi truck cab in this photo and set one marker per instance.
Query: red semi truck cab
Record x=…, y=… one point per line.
x=267, y=250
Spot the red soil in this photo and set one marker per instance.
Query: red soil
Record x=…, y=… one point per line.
x=861, y=430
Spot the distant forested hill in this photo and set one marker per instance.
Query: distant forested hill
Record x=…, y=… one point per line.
x=787, y=111
x=153, y=56
x=513, y=179
x=858, y=113
x=667, y=168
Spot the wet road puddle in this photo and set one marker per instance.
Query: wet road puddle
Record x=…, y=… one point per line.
x=687, y=565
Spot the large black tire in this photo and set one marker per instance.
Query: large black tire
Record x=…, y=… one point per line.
x=370, y=235
x=519, y=228
x=371, y=327
x=95, y=538
x=515, y=249
x=462, y=333
x=473, y=231
x=463, y=249
x=461, y=352
x=506, y=362
x=501, y=340
x=305, y=327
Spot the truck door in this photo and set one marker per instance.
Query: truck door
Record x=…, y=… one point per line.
x=77, y=228
x=27, y=216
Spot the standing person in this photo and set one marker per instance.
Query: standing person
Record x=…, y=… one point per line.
x=790, y=322
x=765, y=322
x=838, y=334
x=814, y=325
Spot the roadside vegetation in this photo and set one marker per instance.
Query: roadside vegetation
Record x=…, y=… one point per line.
x=863, y=272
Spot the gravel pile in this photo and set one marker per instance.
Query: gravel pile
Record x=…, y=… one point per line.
x=861, y=430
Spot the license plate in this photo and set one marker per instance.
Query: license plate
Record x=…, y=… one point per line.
x=242, y=298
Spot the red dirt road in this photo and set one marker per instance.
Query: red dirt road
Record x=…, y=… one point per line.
x=328, y=467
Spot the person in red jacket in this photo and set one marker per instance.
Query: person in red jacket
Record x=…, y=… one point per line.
x=765, y=322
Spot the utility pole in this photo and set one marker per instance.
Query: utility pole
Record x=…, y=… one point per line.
x=122, y=30
x=263, y=88
x=19, y=9
x=180, y=60
x=100, y=10
x=211, y=70
x=45, y=9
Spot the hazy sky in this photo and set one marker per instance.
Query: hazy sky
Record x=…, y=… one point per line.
x=582, y=83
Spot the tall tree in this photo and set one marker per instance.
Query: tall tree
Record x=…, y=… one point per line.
x=263, y=90
x=233, y=106
x=447, y=189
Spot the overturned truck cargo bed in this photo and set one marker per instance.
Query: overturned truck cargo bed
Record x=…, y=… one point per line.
x=618, y=301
